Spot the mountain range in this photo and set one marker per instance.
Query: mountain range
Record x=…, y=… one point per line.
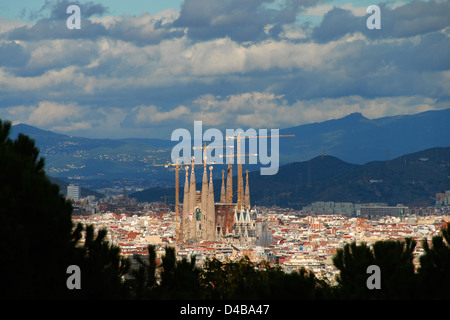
x=358, y=140
x=412, y=179
x=99, y=164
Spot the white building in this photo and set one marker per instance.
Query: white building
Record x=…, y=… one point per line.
x=73, y=192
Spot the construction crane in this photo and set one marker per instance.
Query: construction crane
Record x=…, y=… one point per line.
x=239, y=165
x=230, y=178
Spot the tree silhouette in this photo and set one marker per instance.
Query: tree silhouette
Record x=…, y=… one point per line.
x=179, y=278
x=143, y=279
x=103, y=268
x=245, y=280
x=394, y=260
x=434, y=270
x=35, y=223
x=352, y=261
x=37, y=239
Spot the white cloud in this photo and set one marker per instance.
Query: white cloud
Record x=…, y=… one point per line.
x=9, y=24
x=145, y=115
x=49, y=113
x=267, y=110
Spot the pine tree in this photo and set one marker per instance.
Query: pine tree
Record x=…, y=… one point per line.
x=38, y=241
x=434, y=270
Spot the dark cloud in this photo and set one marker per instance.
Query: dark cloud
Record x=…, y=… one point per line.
x=46, y=29
x=52, y=16
x=337, y=23
x=58, y=9
x=372, y=69
x=13, y=55
x=415, y=18
x=240, y=20
x=408, y=20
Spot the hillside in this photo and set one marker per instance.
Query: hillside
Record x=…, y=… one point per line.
x=410, y=179
x=103, y=163
x=356, y=139
x=84, y=192
x=100, y=163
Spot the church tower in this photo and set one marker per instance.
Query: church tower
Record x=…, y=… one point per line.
x=192, y=228
x=211, y=213
x=204, y=205
x=186, y=208
x=247, y=193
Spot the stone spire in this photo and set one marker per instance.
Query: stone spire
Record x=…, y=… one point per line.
x=230, y=184
x=204, y=203
x=240, y=191
x=222, y=190
x=247, y=192
x=186, y=207
x=211, y=214
x=192, y=203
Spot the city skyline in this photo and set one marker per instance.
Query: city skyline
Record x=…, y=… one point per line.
x=140, y=69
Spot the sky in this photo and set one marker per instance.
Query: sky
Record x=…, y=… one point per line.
x=142, y=69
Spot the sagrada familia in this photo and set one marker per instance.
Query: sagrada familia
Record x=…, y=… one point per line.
x=204, y=219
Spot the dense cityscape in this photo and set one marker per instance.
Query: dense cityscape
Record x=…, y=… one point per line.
x=289, y=238
x=215, y=157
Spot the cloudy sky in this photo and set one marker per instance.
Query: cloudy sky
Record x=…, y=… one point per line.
x=144, y=68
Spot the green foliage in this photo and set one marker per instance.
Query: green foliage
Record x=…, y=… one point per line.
x=217, y=280
x=434, y=270
x=395, y=259
x=352, y=261
x=102, y=266
x=37, y=239
x=399, y=280
x=35, y=223
x=172, y=279
x=232, y=280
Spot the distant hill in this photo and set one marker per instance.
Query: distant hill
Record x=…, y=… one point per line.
x=84, y=192
x=356, y=139
x=101, y=163
x=410, y=179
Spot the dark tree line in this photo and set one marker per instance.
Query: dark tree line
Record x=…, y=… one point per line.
x=38, y=241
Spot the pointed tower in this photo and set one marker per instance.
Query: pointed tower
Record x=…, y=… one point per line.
x=192, y=204
x=211, y=214
x=186, y=208
x=204, y=203
x=247, y=193
x=222, y=190
x=240, y=191
x=230, y=183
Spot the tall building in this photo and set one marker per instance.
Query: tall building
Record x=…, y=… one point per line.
x=204, y=219
x=73, y=192
x=376, y=210
x=198, y=215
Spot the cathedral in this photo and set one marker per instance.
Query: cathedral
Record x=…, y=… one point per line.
x=204, y=219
